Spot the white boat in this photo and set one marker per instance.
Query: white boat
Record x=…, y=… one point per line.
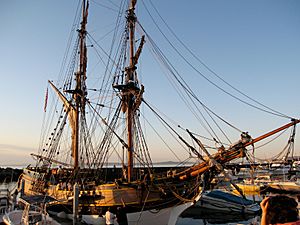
x=20, y=217
x=30, y=214
x=248, y=188
x=284, y=186
x=259, y=180
x=225, y=201
x=5, y=201
x=4, y=204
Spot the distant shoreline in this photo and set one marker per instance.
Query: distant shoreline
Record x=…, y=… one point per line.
x=13, y=166
x=111, y=164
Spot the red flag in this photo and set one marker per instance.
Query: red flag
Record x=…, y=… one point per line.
x=46, y=100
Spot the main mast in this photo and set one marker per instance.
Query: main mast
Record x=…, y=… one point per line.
x=130, y=82
x=130, y=90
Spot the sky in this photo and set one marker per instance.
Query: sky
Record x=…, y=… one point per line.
x=254, y=45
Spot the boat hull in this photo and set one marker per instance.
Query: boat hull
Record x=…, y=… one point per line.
x=144, y=202
x=283, y=187
x=16, y=217
x=249, y=188
x=167, y=216
x=226, y=204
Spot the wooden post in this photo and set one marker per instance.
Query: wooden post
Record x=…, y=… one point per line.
x=75, y=203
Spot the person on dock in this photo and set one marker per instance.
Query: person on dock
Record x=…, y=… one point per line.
x=279, y=209
x=109, y=217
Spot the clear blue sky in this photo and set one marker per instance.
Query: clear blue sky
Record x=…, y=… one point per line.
x=254, y=45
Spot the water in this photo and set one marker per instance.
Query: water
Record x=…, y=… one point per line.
x=193, y=216
x=191, y=221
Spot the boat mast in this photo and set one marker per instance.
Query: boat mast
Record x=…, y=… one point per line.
x=130, y=83
x=80, y=89
x=131, y=92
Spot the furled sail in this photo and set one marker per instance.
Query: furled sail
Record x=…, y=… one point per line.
x=69, y=108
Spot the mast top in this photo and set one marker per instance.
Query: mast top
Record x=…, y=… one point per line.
x=132, y=4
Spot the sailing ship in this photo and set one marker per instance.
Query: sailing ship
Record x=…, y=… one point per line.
x=72, y=164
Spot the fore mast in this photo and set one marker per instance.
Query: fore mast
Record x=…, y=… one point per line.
x=80, y=90
x=76, y=106
x=79, y=94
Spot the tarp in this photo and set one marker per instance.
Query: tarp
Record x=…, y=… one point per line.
x=36, y=199
x=229, y=197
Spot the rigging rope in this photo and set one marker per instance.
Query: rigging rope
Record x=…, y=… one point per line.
x=170, y=128
x=71, y=36
x=189, y=92
x=272, y=111
x=163, y=140
x=280, y=154
x=105, y=6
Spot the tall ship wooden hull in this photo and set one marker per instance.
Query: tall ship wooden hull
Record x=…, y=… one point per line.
x=95, y=198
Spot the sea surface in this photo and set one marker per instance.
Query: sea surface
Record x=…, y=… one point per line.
x=206, y=217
